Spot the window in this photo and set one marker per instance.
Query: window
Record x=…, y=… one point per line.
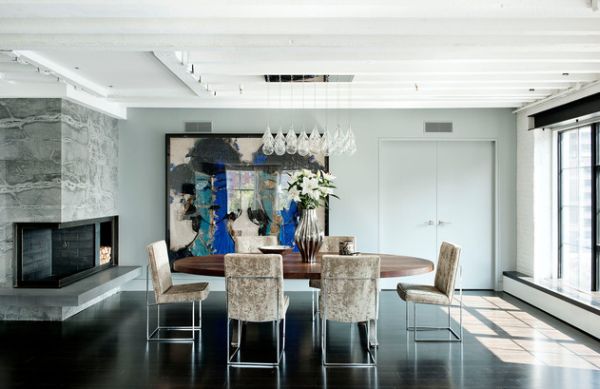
x=578, y=176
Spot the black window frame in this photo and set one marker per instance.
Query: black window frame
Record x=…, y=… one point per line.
x=595, y=180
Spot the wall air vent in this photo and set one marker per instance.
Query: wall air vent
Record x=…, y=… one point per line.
x=198, y=127
x=437, y=127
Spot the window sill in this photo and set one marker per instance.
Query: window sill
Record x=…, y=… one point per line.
x=589, y=301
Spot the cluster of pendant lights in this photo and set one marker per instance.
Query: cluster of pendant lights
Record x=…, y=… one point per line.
x=340, y=142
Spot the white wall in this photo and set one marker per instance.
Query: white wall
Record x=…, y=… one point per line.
x=142, y=167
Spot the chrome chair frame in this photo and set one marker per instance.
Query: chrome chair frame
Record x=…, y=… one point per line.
x=369, y=346
x=315, y=304
x=150, y=336
x=280, y=347
x=457, y=337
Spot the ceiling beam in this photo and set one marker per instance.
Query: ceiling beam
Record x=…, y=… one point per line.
x=68, y=75
x=304, y=26
x=326, y=9
x=180, y=70
x=163, y=42
x=393, y=67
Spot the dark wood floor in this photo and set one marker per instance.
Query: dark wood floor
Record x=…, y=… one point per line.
x=508, y=344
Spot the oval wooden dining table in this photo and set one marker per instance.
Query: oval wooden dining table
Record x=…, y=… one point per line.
x=294, y=268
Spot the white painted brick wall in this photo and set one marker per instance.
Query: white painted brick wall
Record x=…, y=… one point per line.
x=535, y=190
x=525, y=230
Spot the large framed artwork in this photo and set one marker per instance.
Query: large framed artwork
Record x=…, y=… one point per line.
x=222, y=185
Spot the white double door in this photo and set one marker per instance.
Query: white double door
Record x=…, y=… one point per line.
x=435, y=191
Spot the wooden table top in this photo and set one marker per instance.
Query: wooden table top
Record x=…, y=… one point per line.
x=294, y=268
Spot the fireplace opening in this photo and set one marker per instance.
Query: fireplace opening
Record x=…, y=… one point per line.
x=57, y=254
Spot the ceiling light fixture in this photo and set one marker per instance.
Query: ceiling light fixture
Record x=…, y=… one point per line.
x=342, y=142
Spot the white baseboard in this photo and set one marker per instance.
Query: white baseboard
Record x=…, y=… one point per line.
x=577, y=317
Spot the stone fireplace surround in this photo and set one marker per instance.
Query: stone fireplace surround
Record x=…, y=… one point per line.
x=58, y=163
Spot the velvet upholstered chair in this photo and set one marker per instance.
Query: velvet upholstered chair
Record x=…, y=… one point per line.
x=440, y=293
x=254, y=285
x=349, y=294
x=250, y=244
x=331, y=244
x=167, y=293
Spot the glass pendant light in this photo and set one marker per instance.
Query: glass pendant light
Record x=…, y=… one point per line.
x=268, y=140
x=279, y=145
x=314, y=141
x=337, y=136
x=350, y=142
x=303, y=143
x=326, y=143
x=291, y=142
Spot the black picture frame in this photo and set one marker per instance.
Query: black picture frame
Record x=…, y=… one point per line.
x=170, y=136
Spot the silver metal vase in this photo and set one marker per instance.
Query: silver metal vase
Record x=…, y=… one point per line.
x=308, y=236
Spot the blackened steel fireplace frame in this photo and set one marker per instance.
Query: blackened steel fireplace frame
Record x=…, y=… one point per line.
x=69, y=279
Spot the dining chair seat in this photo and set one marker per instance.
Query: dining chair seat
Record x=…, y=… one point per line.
x=184, y=293
x=422, y=294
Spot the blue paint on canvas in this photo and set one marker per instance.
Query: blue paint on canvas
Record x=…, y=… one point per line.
x=289, y=217
x=202, y=244
x=222, y=241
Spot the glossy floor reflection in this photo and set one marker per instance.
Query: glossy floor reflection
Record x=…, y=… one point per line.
x=506, y=344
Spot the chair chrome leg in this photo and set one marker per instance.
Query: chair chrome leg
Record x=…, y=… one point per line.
x=284, y=325
x=369, y=348
x=277, y=353
x=416, y=328
x=406, y=314
x=323, y=341
x=193, y=320
x=312, y=305
x=315, y=304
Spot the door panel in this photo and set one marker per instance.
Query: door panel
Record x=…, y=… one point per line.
x=465, y=204
x=407, y=201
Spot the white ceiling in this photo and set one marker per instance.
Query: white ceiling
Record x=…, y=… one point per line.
x=402, y=54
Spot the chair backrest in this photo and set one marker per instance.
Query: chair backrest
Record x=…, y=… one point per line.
x=254, y=284
x=447, y=268
x=331, y=244
x=350, y=287
x=159, y=267
x=250, y=244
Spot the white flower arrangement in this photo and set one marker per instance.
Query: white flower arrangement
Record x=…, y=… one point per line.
x=311, y=189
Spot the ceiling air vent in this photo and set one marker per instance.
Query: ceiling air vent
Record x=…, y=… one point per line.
x=198, y=127
x=309, y=77
x=438, y=127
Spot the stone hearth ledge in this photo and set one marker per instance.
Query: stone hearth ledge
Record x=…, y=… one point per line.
x=45, y=304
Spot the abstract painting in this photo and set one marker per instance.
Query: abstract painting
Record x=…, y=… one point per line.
x=222, y=185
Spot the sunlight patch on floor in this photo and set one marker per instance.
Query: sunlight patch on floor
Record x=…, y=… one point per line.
x=515, y=336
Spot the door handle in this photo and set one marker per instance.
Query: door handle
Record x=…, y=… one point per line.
x=441, y=223
x=430, y=222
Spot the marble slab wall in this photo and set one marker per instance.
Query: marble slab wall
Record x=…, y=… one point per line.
x=58, y=162
x=90, y=157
